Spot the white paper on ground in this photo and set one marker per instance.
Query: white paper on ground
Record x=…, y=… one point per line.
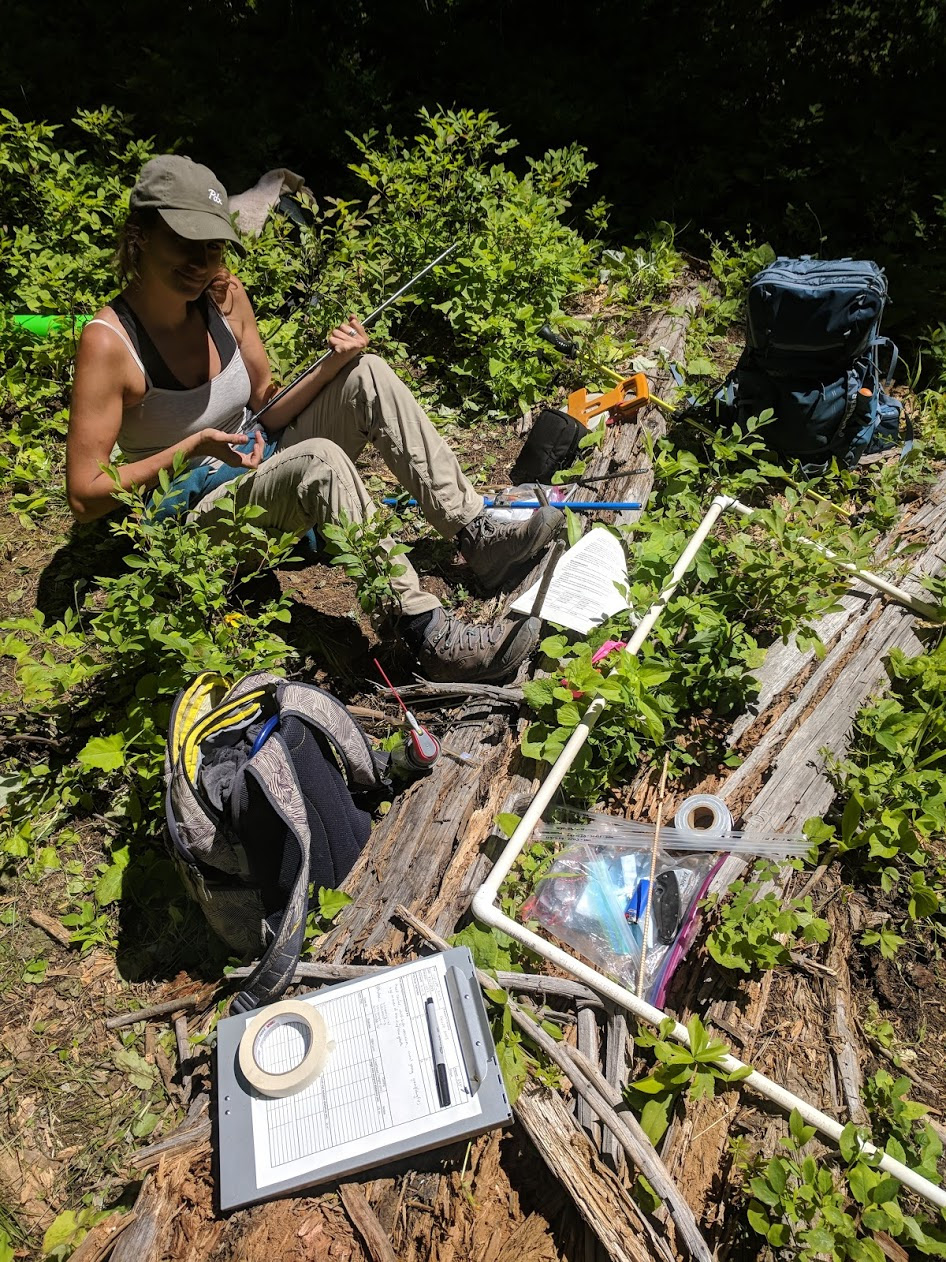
x=584, y=588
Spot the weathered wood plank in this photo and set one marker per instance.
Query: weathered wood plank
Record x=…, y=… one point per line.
x=599, y=1195
x=782, y=780
x=616, y=1074
x=589, y=1046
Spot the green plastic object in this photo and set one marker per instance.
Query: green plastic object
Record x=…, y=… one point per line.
x=41, y=326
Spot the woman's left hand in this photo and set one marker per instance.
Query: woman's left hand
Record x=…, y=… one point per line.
x=348, y=339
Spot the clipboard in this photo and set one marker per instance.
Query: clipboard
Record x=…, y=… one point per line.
x=404, y=1040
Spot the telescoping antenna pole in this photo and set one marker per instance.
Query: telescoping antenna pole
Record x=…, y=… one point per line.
x=369, y=319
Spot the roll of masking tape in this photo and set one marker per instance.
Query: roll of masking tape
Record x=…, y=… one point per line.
x=284, y=1048
x=705, y=814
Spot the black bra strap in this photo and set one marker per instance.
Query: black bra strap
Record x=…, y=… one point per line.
x=157, y=373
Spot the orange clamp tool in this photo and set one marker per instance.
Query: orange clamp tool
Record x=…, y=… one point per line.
x=627, y=396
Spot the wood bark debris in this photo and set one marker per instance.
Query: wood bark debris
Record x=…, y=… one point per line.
x=165, y=1009
x=376, y=1239
x=58, y=932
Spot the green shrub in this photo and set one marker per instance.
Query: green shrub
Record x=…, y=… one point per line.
x=176, y=610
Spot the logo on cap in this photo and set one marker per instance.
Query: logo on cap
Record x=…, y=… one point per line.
x=214, y=196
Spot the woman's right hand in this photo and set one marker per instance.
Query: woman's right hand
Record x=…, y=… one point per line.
x=223, y=446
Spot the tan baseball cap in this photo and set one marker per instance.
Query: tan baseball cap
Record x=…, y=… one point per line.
x=188, y=197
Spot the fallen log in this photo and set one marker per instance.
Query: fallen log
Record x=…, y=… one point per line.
x=805, y=705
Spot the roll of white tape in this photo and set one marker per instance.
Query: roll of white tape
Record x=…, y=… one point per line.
x=284, y=1048
x=703, y=813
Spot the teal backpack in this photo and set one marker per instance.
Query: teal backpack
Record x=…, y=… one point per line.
x=813, y=355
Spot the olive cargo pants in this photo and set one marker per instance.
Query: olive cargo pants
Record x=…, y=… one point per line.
x=311, y=478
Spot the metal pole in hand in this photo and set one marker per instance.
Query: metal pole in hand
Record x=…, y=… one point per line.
x=369, y=319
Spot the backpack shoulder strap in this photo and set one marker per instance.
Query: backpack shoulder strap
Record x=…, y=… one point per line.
x=273, y=771
x=329, y=716
x=885, y=344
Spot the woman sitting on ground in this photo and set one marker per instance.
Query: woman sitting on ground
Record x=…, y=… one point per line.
x=176, y=364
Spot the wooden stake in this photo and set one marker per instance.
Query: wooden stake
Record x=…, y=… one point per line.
x=655, y=846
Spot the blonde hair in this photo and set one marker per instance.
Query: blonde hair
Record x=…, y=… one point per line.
x=128, y=249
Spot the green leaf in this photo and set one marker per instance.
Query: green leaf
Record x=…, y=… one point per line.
x=758, y=1219
x=777, y=1175
x=649, y=1085
x=861, y=1180
x=850, y=819
x=762, y=1192
x=105, y=753
x=802, y=1133
x=553, y=646
x=849, y=1142
x=779, y=1234
x=62, y=1230
x=331, y=902
x=507, y=823
x=145, y=1124
x=8, y=786
x=886, y=1190
x=573, y=527
x=864, y=1251
x=819, y=1240
x=655, y=1118
x=513, y=1066
x=139, y=1072
x=108, y=887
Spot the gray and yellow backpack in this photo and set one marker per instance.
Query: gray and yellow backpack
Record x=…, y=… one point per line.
x=260, y=781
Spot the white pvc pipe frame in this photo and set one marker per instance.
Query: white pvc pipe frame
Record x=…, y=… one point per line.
x=484, y=903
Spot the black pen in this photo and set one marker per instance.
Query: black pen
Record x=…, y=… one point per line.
x=436, y=1047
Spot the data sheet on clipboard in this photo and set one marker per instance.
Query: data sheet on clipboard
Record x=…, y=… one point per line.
x=379, y=1083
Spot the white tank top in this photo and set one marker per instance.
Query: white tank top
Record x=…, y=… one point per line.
x=164, y=417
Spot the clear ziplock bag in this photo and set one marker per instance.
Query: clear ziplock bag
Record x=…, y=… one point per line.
x=594, y=899
x=570, y=826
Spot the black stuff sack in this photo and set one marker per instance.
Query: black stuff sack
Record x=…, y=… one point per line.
x=262, y=779
x=551, y=444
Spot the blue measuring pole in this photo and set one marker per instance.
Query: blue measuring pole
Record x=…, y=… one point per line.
x=591, y=506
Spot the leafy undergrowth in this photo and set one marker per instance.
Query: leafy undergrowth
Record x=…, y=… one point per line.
x=102, y=625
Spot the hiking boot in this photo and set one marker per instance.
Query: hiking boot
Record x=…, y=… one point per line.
x=454, y=651
x=498, y=551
